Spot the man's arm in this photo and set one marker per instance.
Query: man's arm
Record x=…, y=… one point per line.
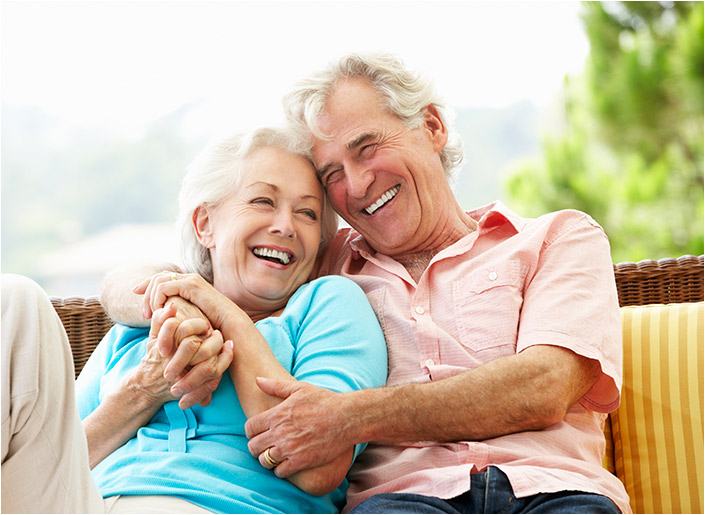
x=116, y=295
x=528, y=391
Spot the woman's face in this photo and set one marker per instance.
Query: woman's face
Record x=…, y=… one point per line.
x=264, y=238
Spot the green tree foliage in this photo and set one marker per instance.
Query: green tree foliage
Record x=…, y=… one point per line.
x=632, y=151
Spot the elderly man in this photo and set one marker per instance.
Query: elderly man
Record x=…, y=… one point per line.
x=503, y=332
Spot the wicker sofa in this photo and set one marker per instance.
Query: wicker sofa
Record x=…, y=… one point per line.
x=655, y=438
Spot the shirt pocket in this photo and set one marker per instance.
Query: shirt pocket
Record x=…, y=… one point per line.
x=487, y=304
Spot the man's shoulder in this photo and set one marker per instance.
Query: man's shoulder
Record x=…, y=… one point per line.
x=565, y=220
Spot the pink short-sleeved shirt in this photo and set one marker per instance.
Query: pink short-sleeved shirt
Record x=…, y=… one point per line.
x=511, y=284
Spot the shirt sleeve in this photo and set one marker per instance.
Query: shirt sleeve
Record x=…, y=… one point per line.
x=571, y=301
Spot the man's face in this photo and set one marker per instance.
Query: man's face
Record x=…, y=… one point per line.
x=384, y=179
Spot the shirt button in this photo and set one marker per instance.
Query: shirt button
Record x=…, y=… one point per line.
x=429, y=363
x=420, y=310
x=493, y=276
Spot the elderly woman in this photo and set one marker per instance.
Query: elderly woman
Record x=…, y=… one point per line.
x=253, y=219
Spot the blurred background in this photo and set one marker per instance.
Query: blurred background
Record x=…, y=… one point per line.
x=596, y=106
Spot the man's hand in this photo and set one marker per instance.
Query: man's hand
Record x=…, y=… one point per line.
x=308, y=429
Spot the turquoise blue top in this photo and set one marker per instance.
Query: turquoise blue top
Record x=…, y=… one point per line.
x=328, y=336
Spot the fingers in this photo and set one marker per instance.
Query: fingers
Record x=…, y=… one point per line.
x=192, y=348
x=278, y=387
x=153, y=297
x=141, y=287
x=161, y=317
x=150, y=289
x=203, y=378
x=201, y=395
x=165, y=339
x=267, y=458
x=256, y=430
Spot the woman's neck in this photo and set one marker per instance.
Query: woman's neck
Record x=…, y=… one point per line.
x=261, y=315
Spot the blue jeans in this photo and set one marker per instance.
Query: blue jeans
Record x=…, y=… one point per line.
x=490, y=492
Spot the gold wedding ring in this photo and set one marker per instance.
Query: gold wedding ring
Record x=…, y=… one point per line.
x=174, y=277
x=269, y=459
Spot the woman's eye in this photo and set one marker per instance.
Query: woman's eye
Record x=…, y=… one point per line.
x=311, y=214
x=263, y=200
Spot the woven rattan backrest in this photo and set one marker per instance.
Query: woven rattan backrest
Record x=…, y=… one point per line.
x=85, y=322
x=666, y=281
x=647, y=282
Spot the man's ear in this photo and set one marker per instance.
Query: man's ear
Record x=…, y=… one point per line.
x=203, y=227
x=434, y=124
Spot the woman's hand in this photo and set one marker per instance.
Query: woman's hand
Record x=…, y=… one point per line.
x=199, y=360
x=202, y=354
x=218, y=308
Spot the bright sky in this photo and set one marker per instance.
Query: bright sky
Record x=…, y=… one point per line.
x=123, y=64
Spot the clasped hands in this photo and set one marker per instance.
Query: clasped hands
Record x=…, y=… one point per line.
x=185, y=356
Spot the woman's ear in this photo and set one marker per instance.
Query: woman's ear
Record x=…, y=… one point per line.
x=434, y=124
x=202, y=226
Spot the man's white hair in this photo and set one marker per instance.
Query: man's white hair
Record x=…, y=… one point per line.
x=405, y=92
x=216, y=174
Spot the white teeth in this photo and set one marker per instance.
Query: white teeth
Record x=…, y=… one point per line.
x=271, y=253
x=386, y=197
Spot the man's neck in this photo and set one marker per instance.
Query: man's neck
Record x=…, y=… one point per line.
x=416, y=264
x=418, y=261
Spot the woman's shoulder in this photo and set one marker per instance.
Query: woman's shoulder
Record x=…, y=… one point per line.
x=328, y=294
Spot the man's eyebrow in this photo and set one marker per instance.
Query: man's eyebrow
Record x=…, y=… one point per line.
x=360, y=140
x=363, y=138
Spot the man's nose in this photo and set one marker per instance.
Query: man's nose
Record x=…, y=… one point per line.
x=359, y=180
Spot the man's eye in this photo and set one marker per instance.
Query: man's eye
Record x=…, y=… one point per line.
x=367, y=150
x=332, y=177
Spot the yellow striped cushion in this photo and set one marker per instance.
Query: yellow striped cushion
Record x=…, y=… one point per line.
x=608, y=458
x=658, y=428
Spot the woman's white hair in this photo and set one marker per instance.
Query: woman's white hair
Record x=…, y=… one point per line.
x=406, y=94
x=216, y=173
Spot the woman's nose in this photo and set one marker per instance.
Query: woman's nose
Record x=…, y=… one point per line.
x=283, y=224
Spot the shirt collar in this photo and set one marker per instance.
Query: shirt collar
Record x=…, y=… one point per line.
x=495, y=214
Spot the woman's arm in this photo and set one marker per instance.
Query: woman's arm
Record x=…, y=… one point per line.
x=252, y=358
x=144, y=390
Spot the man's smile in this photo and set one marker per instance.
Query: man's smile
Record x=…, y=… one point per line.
x=386, y=197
